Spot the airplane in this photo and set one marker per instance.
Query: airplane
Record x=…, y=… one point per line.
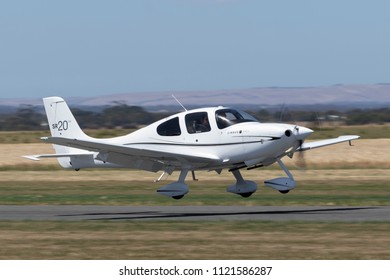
x=212, y=139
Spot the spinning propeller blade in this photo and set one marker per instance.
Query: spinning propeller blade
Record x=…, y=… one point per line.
x=301, y=161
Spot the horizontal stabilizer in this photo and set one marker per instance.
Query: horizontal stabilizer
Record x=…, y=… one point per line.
x=38, y=157
x=322, y=143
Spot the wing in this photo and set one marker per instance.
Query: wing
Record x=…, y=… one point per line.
x=327, y=142
x=171, y=156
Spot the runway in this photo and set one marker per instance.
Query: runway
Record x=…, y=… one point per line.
x=194, y=213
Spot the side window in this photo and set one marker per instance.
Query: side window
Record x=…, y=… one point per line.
x=197, y=122
x=169, y=128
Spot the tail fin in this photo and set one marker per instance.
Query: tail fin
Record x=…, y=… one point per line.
x=61, y=120
x=63, y=124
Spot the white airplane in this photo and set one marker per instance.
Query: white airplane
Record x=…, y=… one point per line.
x=211, y=139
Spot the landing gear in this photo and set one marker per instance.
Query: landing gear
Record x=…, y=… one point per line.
x=248, y=194
x=282, y=184
x=176, y=190
x=245, y=188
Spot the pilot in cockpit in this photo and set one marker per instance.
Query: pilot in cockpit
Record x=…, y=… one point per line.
x=204, y=126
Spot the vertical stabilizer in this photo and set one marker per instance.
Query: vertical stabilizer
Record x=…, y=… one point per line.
x=62, y=124
x=61, y=120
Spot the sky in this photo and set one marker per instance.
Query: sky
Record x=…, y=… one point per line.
x=94, y=47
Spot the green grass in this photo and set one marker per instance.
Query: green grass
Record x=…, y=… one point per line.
x=201, y=193
x=194, y=240
x=151, y=239
x=364, y=131
x=16, y=137
x=31, y=167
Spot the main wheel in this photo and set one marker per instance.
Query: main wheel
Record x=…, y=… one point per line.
x=247, y=194
x=178, y=196
x=284, y=192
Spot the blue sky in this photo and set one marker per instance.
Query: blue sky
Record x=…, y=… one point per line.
x=86, y=48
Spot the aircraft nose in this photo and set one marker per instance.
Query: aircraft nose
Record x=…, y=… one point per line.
x=301, y=132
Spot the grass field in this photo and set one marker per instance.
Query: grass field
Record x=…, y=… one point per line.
x=194, y=240
x=114, y=187
x=337, y=175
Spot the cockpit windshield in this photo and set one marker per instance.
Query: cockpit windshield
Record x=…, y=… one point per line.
x=228, y=117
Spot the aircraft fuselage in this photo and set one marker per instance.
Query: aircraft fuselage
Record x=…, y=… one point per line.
x=236, y=143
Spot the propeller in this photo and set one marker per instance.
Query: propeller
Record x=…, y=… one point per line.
x=300, y=133
x=301, y=161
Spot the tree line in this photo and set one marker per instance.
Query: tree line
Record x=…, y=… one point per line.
x=130, y=117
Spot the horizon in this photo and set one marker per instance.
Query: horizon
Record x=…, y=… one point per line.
x=346, y=96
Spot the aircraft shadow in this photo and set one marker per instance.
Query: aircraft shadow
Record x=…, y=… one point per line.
x=169, y=215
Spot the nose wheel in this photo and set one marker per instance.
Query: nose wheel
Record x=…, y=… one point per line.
x=282, y=184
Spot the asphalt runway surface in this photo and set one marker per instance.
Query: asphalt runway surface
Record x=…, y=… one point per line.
x=194, y=213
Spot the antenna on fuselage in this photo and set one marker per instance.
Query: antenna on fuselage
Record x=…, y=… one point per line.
x=174, y=97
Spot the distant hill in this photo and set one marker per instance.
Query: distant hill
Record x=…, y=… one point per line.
x=341, y=96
